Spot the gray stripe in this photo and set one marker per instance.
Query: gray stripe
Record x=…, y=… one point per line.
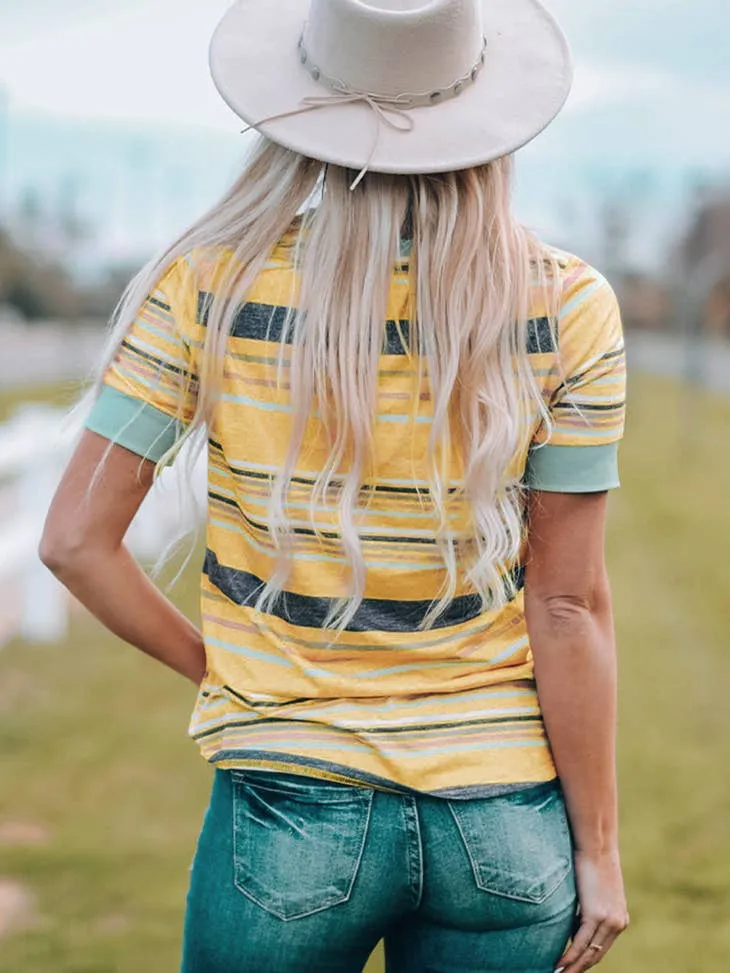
x=374, y=614
x=266, y=322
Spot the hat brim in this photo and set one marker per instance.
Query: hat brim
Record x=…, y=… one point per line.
x=524, y=84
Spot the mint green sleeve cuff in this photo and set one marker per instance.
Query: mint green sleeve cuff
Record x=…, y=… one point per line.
x=133, y=424
x=573, y=469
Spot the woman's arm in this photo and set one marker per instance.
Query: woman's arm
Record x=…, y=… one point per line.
x=83, y=546
x=569, y=617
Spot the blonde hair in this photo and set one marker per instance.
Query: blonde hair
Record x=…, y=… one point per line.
x=474, y=270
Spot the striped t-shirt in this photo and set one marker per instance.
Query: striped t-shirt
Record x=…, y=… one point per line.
x=452, y=711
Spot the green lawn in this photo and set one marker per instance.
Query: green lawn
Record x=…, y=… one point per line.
x=62, y=394
x=94, y=752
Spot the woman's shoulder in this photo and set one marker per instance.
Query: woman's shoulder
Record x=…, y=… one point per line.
x=588, y=310
x=578, y=278
x=205, y=267
x=208, y=266
x=567, y=289
x=580, y=292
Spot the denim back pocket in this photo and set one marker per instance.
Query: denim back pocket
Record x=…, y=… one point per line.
x=297, y=842
x=519, y=845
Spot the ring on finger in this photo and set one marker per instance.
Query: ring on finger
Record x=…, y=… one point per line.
x=596, y=946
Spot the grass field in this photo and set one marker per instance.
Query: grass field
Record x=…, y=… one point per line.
x=101, y=795
x=62, y=394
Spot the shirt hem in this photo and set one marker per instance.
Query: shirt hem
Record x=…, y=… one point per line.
x=128, y=422
x=337, y=773
x=573, y=469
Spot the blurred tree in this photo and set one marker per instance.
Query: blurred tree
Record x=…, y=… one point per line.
x=704, y=257
x=709, y=231
x=645, y=302
x=101, y=299
x=616, y=226
x=30, y=215
x=36, y=288
x=73, y=229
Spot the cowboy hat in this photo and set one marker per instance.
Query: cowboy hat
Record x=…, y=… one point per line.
x=400, y=86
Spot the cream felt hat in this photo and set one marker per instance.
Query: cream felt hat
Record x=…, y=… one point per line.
x=402, y=86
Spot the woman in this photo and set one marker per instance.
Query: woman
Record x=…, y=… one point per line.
x=404, y=592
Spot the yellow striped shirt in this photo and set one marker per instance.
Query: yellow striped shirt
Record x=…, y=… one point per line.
x=452, y=711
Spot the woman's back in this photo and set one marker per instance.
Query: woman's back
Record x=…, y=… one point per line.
x=452, y=709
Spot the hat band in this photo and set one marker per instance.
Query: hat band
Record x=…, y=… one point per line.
x=407, y=99
x=390, y=110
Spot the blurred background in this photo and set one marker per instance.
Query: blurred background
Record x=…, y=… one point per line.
x=112, y=140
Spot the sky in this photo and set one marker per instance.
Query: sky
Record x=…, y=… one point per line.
x=80, y=58
x=652, y=88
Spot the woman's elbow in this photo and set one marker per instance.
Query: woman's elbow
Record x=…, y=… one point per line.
x=563, y=612
x=62, y=547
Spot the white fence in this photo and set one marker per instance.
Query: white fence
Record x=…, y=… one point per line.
x=34, y=448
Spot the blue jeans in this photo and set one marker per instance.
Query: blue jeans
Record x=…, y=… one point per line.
x=294, y=875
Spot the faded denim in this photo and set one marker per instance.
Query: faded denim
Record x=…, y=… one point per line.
x=294, y=875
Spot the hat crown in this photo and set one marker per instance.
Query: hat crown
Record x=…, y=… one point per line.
x=393, y=47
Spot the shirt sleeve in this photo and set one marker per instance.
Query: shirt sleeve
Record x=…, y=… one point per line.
x=577, y=452
x=149, y=393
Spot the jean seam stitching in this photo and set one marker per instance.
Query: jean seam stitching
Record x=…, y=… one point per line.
x=363, y=843
x=420, y=858
x=415, y=868
x=465, y=843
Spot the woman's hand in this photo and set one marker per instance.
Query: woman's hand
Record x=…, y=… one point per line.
x=603, y=911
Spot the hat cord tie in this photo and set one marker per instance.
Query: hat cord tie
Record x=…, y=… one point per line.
x=386, y=110
x=390, y=110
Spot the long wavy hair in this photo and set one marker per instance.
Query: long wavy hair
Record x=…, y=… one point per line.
x=474, y=270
